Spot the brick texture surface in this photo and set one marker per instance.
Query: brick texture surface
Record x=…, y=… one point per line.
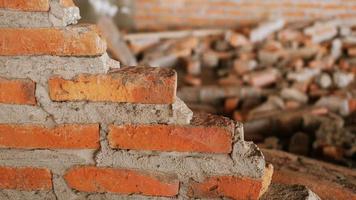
x=205, y=134
x=81, y=40
x=226, y=186
x=26, y=178
x=93, y=179
x=130, y=84
x=176, y=14
x=25, y=5
x=59, y=137
x=15, y=91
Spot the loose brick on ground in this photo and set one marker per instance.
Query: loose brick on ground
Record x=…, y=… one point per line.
x=67, y=136
x=81, y=40
x=17, y=91
x=25, y=5
x=123, y=181
x=130, y=84
x=26, y=178
x=207, y=133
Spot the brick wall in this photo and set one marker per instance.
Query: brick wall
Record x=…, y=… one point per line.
x=74, y=125
x=162, y=14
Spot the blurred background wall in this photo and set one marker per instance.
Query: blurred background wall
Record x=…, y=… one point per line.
x=178, y=14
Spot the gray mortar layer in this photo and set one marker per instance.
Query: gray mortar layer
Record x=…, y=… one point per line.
x=41, y=68
x=26, y=195
x=58, y=16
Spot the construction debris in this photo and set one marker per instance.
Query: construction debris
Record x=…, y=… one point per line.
x=271, y=77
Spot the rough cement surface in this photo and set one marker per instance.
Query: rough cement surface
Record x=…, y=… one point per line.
x=10, y=19
x=239, y=134
x=248, y=159
x=56, y=160
x=182, y=114
x=58, y=16
x=63, y=16
x=26, y=195
x=290, y=192
x=40, y=68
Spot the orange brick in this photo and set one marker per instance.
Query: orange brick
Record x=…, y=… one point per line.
x=25, y=5
x=81, y=40
x=17, y=91
x=26, y=178
x=226, y=186
x=123, y=181
x=130, y=84
x=205, y=134
x=59, y=137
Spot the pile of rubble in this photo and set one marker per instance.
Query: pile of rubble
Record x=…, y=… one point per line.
x=256, y=74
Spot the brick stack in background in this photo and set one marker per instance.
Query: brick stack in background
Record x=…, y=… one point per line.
x=73, y=125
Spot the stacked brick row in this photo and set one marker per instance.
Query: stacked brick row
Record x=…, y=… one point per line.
x=74, y=125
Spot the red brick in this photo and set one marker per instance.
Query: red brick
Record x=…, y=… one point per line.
x=207, y=133
x=26, y=178
x=226, y=186
x=39, y=137
x=81, y=40
x=123, y=181
x=130, y=84
x=25, y=5
x=16, y=91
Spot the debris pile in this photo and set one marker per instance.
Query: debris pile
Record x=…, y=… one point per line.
x=293, y=85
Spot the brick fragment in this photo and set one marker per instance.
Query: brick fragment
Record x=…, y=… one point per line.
x=25, y=5
x=226, y=186
x=122, y=181
x=17, y=91
x=59, y=137
x=130, y=84
x=82, y=40
x=207, y=133
x=26, y=178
